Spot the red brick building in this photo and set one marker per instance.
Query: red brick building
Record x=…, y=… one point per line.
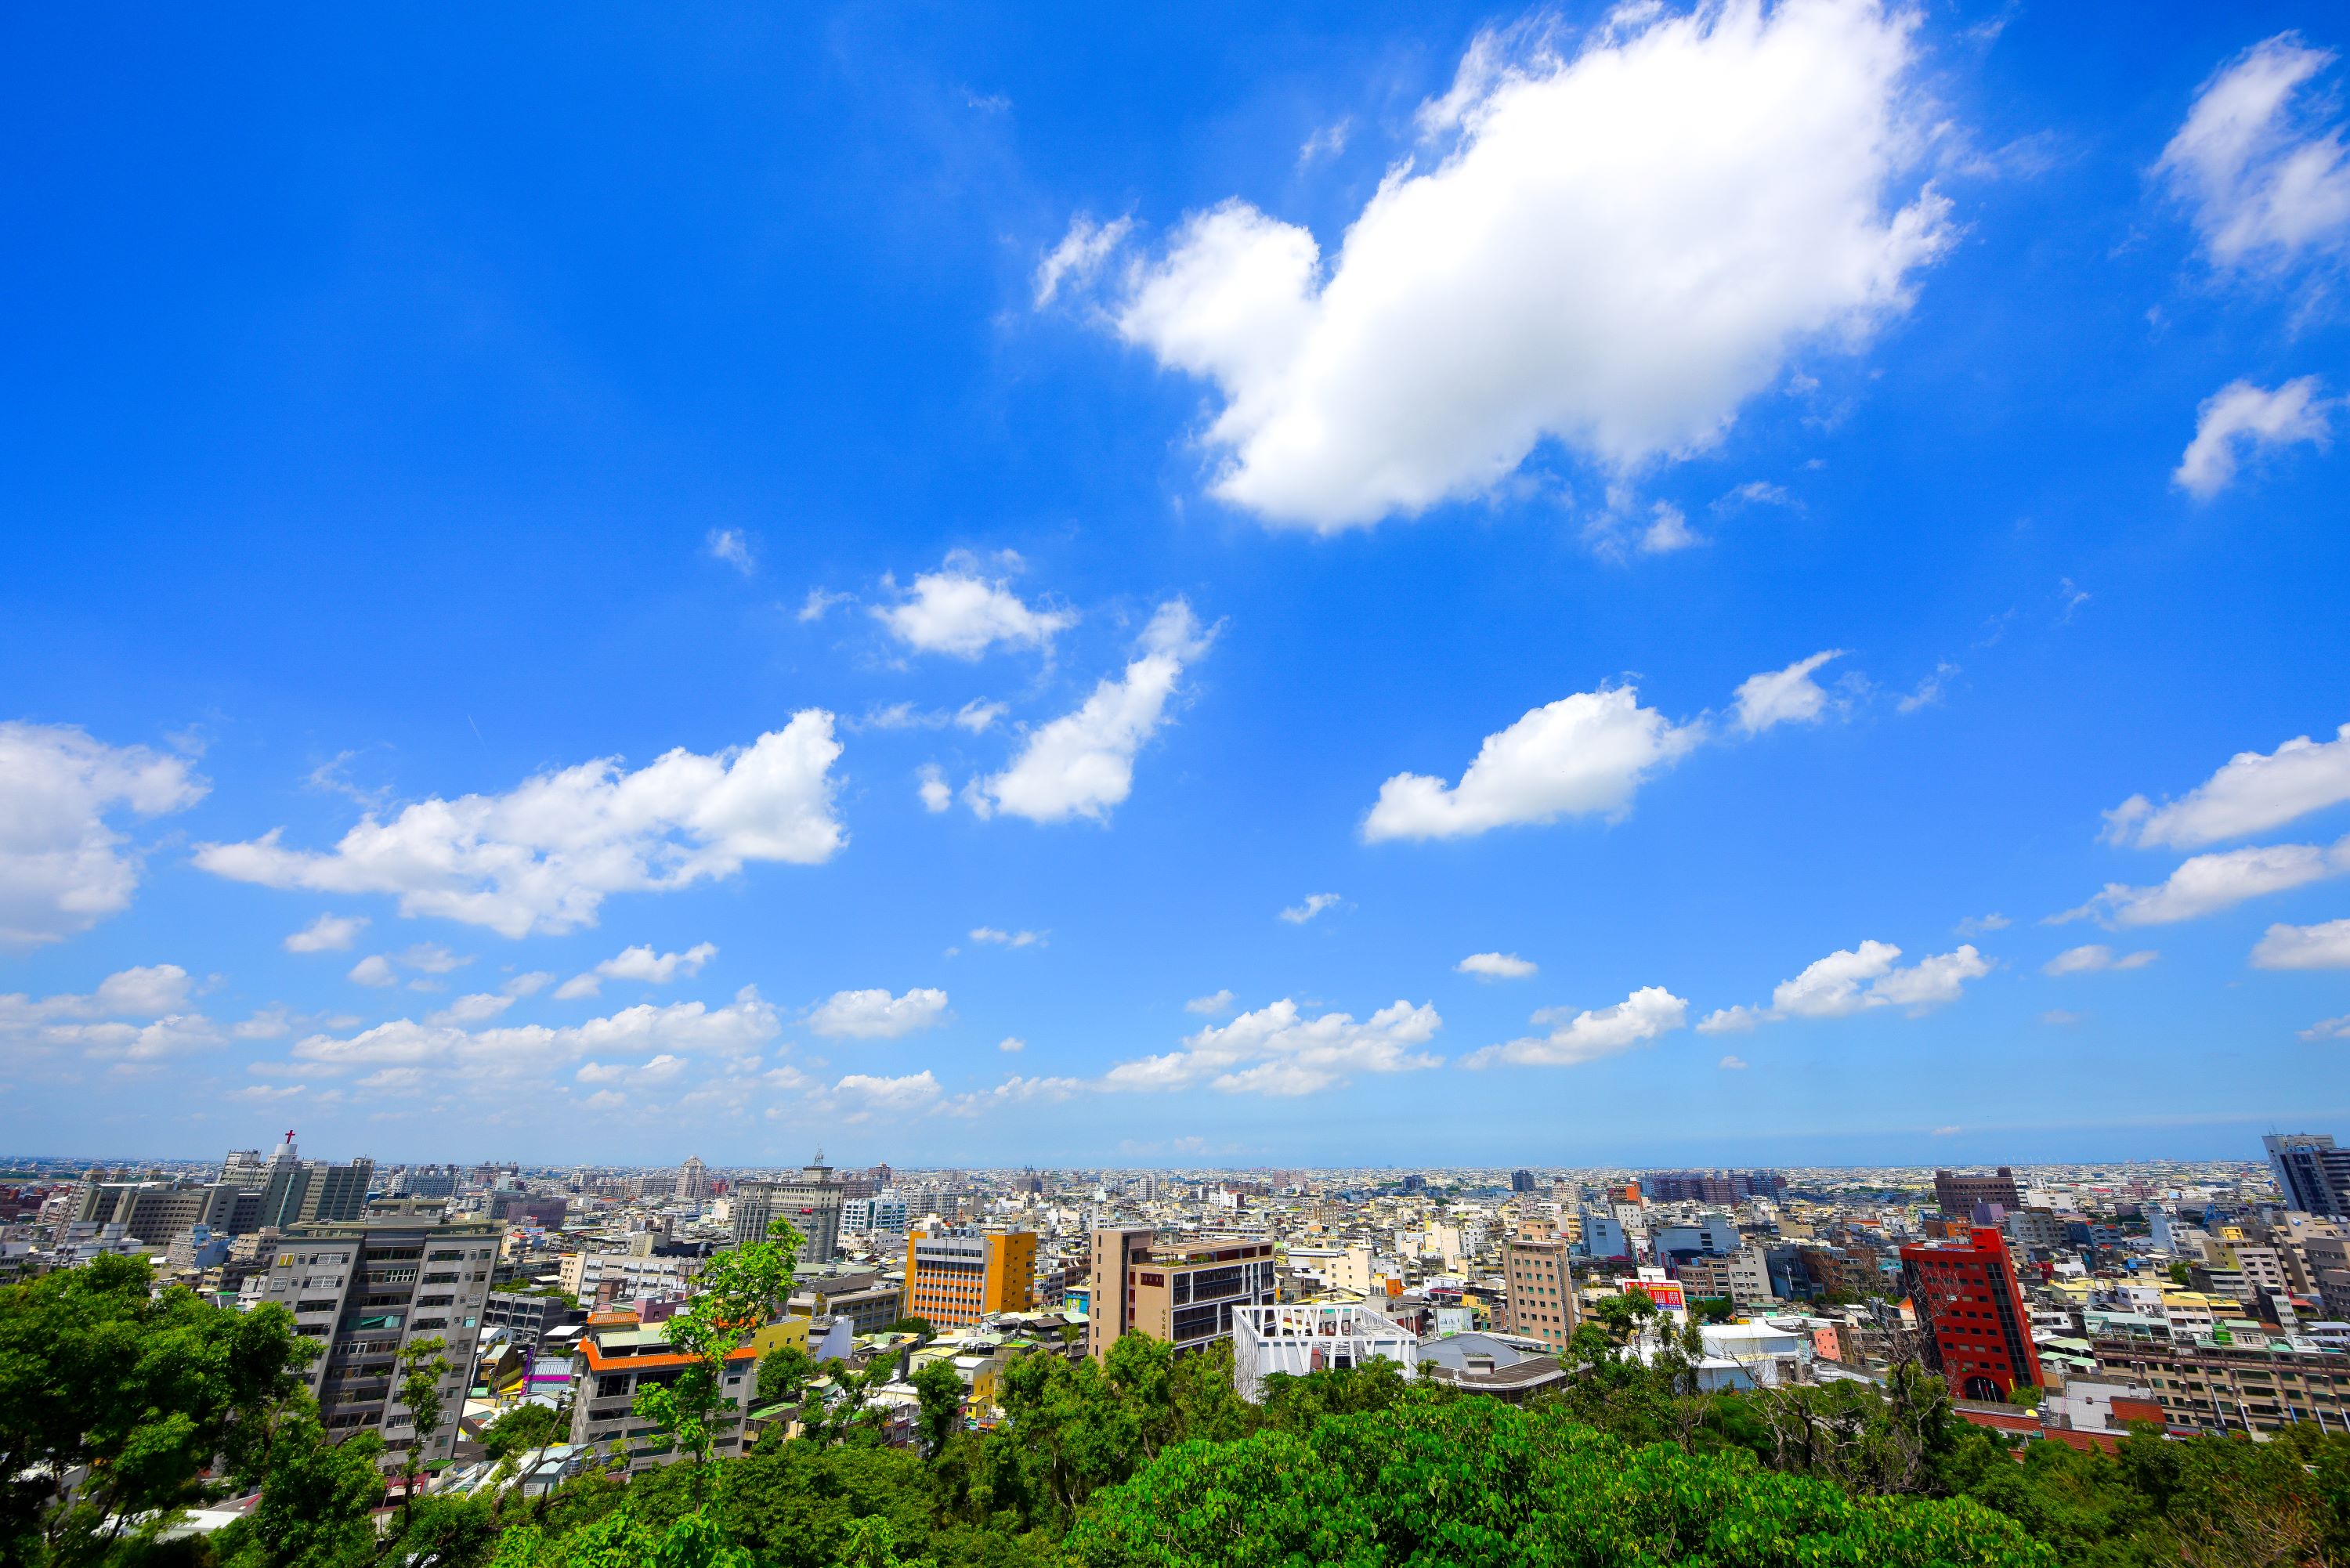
x=1978, y=1335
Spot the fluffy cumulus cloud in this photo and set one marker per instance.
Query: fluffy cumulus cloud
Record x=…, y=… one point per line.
x=134, y=1015
x=1788, y=696
x=2264, y=174
x=2252, y=793
x=875, y=1014
x=1082, y=763
x=1495, y=966
x=862, y=1096
x=956, y=611
x=446, y=1051
x=639, y=963
x=2324, y=946
x=2240, y=421
x=1276, y=1051
x=546, y=855
x=64, y=866
x=327, y=934
x=2096, y=958
x=2206, y=884
x=1860, y=980
x=1575, y=1038
x=1614, y=247
x=1583, y=755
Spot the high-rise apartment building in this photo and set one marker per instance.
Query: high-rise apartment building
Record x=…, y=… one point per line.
x=2313, y=1174
x=1541, y=1300
x=694, y=1181
x=810, y=1203
x=957, y=1276
x=1956, y=1193
x=1182, y=1291
x=1978, y=1335
x=367, y=1289
x=1522, y=1181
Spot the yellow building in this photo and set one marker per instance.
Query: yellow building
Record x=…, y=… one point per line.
x=790, y=1331
x=955, y=1277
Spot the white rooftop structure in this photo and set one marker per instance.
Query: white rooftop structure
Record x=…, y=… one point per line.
x=1299, y=1337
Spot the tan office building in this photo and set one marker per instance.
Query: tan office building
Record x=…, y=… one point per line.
x=1182, y=1291
x=1541, y=1303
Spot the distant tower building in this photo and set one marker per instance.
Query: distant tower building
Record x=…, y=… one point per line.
x=1522, y=1181
x=2313, y=1175
x=694, y=1181
x=1956, y=1195
x=810, y=1204
x=294, y=1192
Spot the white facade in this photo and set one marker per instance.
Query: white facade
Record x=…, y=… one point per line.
x=1302, y=1336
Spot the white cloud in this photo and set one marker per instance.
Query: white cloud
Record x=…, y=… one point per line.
x=2239, y=420
x=2058, y=1018
x=639, y=963
x=818, y=604
x=936, y=796
x=1082, y=763
x=149, y=990
x=1640, y=1019
x=1582, y=755
x=730, y=546
x=1976, y=925
x=1012, y=1044
x=978, y=714
x=994, y=937
x=381, y=969
x=1788, y=696
x=545, y=857
x=1732, y=1064
x=2093, y=958
x=1495, y=966
x=2329, y=1029
x=957, y=612
x=1668, y=530
x=900, y=1096
x=1929, y=692
x=2251, y=792
x=62, y=867
x=1298, y=914
x=327, y=934
x=374, y=970
x=1618, y=250
x=1079, y=255
x=531, y=1053
x=1016, y=1091
x=529, y=984
x=478, y=1008
x=1210, y=1007
x=1326, y=143
x=2206, y=884
x=1860, y=980
x=2266, y=185
x=875, y=1014
x=1274, y=1050
x=2324, y=946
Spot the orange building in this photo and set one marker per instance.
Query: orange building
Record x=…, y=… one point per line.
x=955, y=1277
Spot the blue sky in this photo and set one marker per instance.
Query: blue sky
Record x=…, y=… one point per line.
x=1004, y=585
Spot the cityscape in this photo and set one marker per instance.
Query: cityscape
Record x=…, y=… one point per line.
x=1470, y=785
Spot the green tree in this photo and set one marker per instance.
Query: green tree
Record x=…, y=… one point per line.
x=317, y=1502
x=940, y=1388
x=784, y=1372
x=522, y=1428
x=422, y=1368
x=134, y=1391
x=737, y=1291
x=1475, y=1481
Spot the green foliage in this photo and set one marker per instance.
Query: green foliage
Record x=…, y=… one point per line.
x=784, y=1372
x=316, y=1504
x=422, y=1368
x=145, y=1390
x=522, y=1428
x=1713, y=1309
x=1473, y=1480
x=940, y=1389
x=738, y=1289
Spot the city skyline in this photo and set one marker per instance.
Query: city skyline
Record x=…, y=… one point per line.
x=1185, y=597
